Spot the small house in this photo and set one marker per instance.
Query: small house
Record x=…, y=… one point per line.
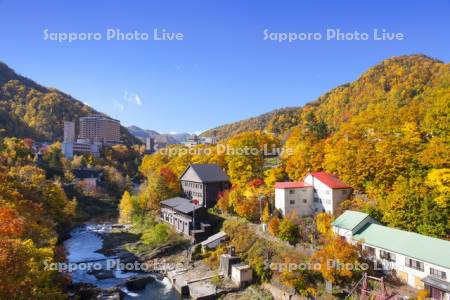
x=183, y=215
x=241, y=275
x=213, y=241
x=87, y=178
x=202, y=183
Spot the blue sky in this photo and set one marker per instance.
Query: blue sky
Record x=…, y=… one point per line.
x=223, y=70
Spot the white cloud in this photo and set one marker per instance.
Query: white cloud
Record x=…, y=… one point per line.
x=138, y=99
x=132, y=97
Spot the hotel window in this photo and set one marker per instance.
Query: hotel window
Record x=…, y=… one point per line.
x=438, y=273
x=304, y=201
x=291, y=192
x=414, y=264
x=292, y=202
x=387, y=255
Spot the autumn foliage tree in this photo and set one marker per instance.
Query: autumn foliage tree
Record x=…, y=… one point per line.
x=126, y=208
x=323, y=224
x=274, y=225
x=32, y=211
x=288, y=231
x=338, y=260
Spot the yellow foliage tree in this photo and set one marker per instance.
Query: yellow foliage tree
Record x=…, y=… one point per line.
x=334, y=259
x=323, y=224
x=125, y=208
x=274, y=225
x=439, y=179
x=266, y=214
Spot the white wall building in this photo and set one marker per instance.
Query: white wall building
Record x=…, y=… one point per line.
x=213, y=241
x=318, y=192
x=241, y=274
x=417, y=260
x=294, y=196
x=79, y=147
x=69, y=132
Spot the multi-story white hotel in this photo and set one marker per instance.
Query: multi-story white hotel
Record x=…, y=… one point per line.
x=318, y=192
x=95, y=131
x=100, y=129
x=420, y=261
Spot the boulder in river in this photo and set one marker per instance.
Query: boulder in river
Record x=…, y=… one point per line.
x=138, y=283
x=102, y=274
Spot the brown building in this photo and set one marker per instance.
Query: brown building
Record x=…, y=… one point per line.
x=184, y=216
x=100, y=129
x=202, y=183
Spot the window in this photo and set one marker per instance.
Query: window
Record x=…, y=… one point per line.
x=414, y=264
x=437, y=273
x=387, y=255
x=292, y=202
x=291, y=192
x=316, y=199
x=327, y=192
x=343, y=192
x=304, y=201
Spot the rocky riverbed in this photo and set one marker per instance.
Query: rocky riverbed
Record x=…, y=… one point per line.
x=103, y=269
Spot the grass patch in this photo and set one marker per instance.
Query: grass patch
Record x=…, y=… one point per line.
x=155, y=239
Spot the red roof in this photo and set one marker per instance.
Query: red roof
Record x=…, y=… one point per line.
x=330, y=180
x=291, y=185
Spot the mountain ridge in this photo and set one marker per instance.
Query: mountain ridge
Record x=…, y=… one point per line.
x=28, y=109
x=163, y=138
x=281, y=121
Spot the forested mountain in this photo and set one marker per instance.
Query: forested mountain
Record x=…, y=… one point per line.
x=28, y=109
x=277, y=121
x=386, y=134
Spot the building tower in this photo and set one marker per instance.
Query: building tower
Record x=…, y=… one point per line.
x=69, y=132
x=100, y=129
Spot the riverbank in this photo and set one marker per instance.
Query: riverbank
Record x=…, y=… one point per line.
x=102, y=248
x=118, y=272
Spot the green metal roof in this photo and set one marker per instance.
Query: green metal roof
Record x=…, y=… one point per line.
x=349, y=219
x=414, y=245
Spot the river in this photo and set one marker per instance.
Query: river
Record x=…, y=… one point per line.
x=82, y=245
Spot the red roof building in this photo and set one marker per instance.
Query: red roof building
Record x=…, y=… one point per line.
x=330, y=180
x=318, y=192
x=291, y=185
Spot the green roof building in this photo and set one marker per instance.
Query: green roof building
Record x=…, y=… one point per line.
x=418, y=260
